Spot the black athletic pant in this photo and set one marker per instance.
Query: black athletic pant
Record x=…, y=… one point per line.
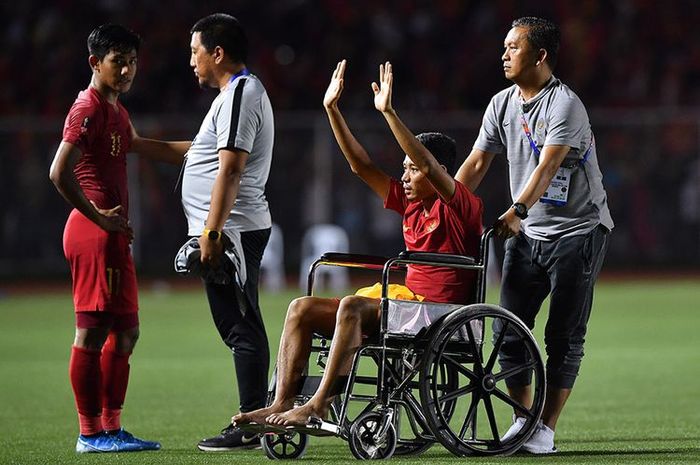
x=245, y=334
x=566, y=270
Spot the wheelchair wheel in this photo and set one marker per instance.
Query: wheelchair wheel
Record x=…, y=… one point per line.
x=469, y=341
x=290, y=445
x=447, y=382
x=371, y=437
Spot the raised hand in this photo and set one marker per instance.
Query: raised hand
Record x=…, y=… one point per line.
x=335, y=88
x=382, y=92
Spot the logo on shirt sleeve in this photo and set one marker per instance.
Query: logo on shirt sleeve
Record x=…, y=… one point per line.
x=84, y=126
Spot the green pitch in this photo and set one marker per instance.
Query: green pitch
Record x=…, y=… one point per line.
x=637, y=400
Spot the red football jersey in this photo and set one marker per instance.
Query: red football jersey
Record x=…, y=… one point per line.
x=102, y=132
x=450, y=227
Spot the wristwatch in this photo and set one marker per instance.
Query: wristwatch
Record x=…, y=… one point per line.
x=212, y=234
x=520, y=210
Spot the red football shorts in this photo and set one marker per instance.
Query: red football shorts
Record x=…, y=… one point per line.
x=104, y=277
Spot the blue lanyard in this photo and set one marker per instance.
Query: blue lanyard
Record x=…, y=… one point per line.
x=537, y=150
x=243, y=72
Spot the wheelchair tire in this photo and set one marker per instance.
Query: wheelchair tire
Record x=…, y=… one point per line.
x=366, y=440
x=483, y=409
x=284, y=446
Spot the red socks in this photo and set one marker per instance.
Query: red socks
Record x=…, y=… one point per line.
x=99, y=381
x=86, y=380
x=115, y=379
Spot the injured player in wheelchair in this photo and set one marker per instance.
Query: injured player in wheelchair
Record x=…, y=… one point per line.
x=440, y=214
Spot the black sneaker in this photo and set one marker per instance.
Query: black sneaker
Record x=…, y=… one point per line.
x=231, y=438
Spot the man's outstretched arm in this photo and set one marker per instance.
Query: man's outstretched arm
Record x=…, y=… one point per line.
x=358, y=158
x=159, y=150
x=419, y=155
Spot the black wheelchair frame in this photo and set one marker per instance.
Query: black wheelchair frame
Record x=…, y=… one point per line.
x=457, y=382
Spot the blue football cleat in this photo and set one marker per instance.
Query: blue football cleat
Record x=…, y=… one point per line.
x=126, y=442
x=121, y=441
x=101, y=442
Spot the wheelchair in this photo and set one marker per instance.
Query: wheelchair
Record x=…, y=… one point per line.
x=438, y=378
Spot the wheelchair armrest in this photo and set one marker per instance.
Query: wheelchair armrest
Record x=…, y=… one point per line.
x=350, y=259
x=441, y=258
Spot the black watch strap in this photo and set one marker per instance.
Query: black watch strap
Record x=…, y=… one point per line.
x=520, y=210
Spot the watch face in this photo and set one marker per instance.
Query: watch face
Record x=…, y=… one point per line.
x=214, y=235
x=520, y=210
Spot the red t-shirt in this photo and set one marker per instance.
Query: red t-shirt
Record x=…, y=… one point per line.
x=103, y=133
x=450, y=227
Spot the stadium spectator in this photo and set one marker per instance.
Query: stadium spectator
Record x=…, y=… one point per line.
x=223, y=193
x=559, y=221
x=89, y=170
x=439, y=215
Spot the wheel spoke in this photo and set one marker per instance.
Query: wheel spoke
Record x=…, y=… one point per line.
x=475, y=350
x=457, y=393
x=470, y=416
x=492, y=418
x=515, y=370
x=513, y=403
x=461, y=368
x=496, y=348
x=294, y=446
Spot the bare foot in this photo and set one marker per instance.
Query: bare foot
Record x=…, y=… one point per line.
x=297, y=416
x=259, y=415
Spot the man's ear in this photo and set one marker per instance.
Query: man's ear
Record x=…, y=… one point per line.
x=541, y=57
x=218, y=54
x=94, y=62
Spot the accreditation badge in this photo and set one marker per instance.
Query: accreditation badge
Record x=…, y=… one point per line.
x=558, y=191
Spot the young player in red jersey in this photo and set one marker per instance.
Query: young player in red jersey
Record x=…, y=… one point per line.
x=439, y=215
x=89, y=170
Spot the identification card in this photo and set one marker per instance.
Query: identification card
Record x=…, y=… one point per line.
x=558, y=190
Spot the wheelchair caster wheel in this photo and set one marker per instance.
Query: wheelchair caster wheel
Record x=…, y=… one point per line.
x=290, y=445
x=370, y=438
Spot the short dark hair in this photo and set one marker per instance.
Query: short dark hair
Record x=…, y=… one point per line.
x=541, y=33
x=222, y=30
x=109, y=37
x=443, y=148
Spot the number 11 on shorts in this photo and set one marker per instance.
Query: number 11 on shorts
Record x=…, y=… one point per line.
x=113, y=280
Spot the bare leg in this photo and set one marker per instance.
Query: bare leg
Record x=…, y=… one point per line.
x=305, y=316
x=90, y=338
x=522, y=395
x=356, y=315
x=553, y=405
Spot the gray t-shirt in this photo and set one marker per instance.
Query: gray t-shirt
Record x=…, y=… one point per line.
x=239, y=118
x=555, y=116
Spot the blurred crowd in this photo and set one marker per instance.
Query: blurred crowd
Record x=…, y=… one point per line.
x=634, y=63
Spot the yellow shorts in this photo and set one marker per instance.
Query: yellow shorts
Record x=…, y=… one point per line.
x=395, y=291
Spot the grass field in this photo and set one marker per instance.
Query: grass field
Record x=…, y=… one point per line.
x=637, y=400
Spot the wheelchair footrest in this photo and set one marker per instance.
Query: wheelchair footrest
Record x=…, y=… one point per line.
x=318, y=427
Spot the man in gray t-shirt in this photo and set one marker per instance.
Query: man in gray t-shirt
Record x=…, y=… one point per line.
x=223, y=196
x=559, y=222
